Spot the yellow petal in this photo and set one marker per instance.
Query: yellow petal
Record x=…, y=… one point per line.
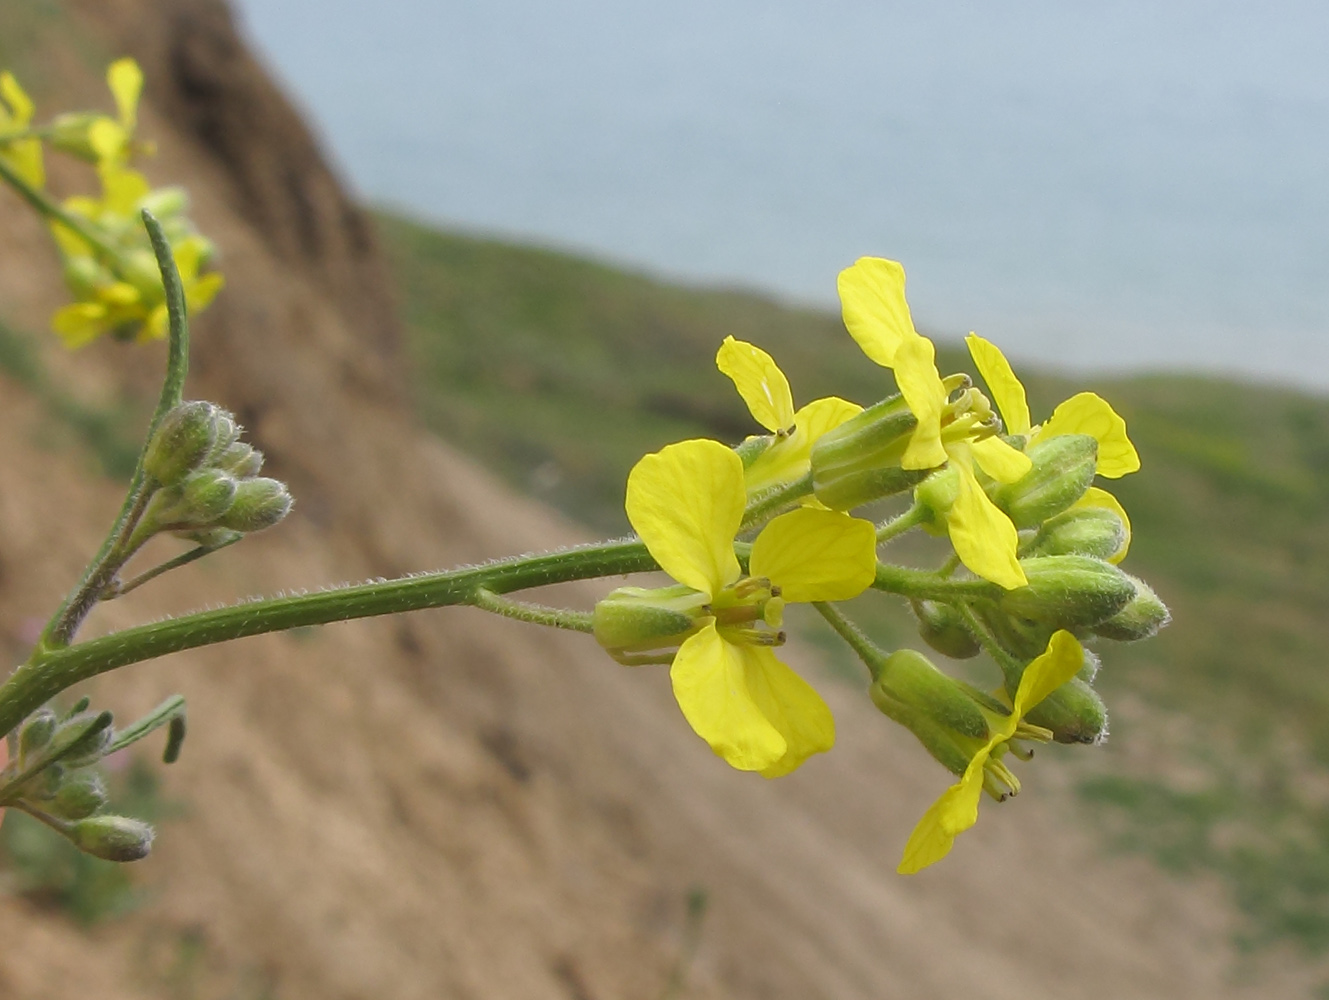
x=686, y=502
x=999, y=460
x=156, y=325
x=126, y=82
x=953, y=813
x=199, y=294
x=1089, y=413
x=123, y=190
x=1052, y=668
x=20, y=104
x=80, y=323
x=759, y=381
x=983, y=537
x=108, y=139
x=922, y=388
x=790, y=705
x=1094, y=497
x=875, y=311
x=710, y=683
x=816, y=555
x=1007, y=392
x=790, y=458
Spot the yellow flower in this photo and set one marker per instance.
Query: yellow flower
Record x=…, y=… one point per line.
x=23, y=155
x=765, y=389
x=1084, y=413
x=878, y=318
x=686, y=502
x=957, y=809
x=111, y=139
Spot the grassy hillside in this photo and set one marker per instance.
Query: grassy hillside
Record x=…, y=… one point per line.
x=560, y=372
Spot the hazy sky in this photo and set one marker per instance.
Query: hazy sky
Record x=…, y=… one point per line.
x=1120, y=184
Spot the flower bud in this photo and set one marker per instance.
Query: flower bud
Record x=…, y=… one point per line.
x=633, y=622
x=79, y=797
x=69, y=134
x=139, y=269
x=1063, y=468
x=859, y=461
x=935, y=495
x=1074, y=713
x=83, y=276
x=166, y=203
x=112, y=838
x=82, y=739
x=240, y=460
x=182, y=441
x=1068, y=591
x=942, y=628
x=36, y=732
x=1142, y=616
x=1081, y=531
x=257, y=504
x=942, y=713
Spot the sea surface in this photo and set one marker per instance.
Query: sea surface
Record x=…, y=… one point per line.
x=1118, y=185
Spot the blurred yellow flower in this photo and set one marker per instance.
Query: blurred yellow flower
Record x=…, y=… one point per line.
x=16, y=111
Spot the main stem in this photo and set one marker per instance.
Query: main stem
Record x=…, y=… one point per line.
x=51, y=671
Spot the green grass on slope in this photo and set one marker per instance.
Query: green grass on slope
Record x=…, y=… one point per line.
x=560, y=373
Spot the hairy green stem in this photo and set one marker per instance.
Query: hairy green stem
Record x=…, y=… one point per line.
x=52, y=670
x=113, y=554
x=1003, y=659
x=775, y=500
x=917, y=583
x=895, y=527
x=536, y=614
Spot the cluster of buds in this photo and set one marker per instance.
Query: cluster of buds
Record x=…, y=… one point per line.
x=1033, y=580
x=52, y=776
x=108, y=262
x=203, y=482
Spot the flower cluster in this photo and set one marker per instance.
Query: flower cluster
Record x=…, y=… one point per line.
x=108, y=262
x=1034, y=573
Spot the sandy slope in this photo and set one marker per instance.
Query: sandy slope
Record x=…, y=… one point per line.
x=448, y=806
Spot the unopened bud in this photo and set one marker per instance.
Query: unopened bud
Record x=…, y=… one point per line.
x=1081, y=531
x=36, y=732
x=859, y=461
x=1063, y=468
x=82, y=739
x=79, y=797
x=240, y=460
x=165, y=203
x=942, y=628
x=112, y=838
x=633, y=622
x=258, y=504
x=69, y=134
x=935, y=496
x=83, y=276
x=1142, y=616
x=185, y=437
x=1074, y=713
x=1068, y=591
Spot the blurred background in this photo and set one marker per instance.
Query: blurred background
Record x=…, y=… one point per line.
x=479, y=258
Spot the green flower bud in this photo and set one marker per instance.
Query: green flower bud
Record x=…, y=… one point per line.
x=1063, y=468
x=1021, y=637
x=859, y=461
x=69, y=134
x=183, y=440
x=1068, y=591
x=82, y=739
x=112, y=838
x=166, y=203
x=258, y=504
x=139, y=268
x=641, y=625
x=240, y=460
x=942, y=628
x=754, y=447
x=228, y=432
x=36, y=732
x=1074, y=713
x=83, y=276
x=1142, y=616
x=942, y=714
x=198, y=501
x=935, y=495
x=79, y=797
x=1081, y=531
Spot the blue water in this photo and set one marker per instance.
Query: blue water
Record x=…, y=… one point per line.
x=1110, y=185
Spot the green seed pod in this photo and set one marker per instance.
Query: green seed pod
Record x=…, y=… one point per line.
x=1068, y=591
x=183, y=440
x=1081, y=531
x=1074, y=713
x=112, y=838
x=1141, y=618
x=942, y=628
x=79, y=796
x=36, y=732
x=859, y=461
x=1063, y=468
x=257, y=504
